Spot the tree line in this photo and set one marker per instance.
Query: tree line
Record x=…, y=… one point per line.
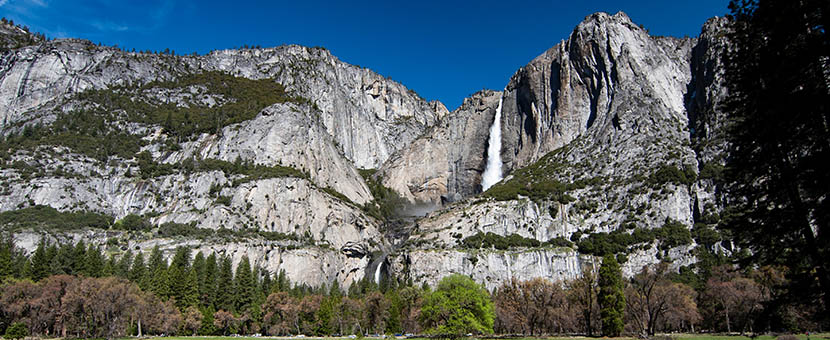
x=76, y=290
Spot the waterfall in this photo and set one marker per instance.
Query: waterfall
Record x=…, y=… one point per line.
x=492, y=173
x=377, y=273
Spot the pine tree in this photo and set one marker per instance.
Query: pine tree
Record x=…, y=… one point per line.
x=109, y=266
x=94, y=262
x=224, y=286
x=159, y=283
x=611, y=297
x=40, y=263
x=156, y=260
x=55, y=266
x=78, y=258
x=6, y=256
x=208, y=286
x=283, y=283
x=244, y=285
x=177, y=276
x=51, y=254
x=66, y=257
x=138, y=271
x=199, y=266
x=122, y=269
x=190, y=296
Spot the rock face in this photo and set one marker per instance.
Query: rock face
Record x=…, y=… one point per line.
x=446, y=162
x=612, y=107
x=369, y=116
x=622, y=123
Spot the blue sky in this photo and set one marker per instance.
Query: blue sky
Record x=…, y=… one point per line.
x=444, y=50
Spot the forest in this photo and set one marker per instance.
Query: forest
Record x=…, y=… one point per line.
x=75, y=290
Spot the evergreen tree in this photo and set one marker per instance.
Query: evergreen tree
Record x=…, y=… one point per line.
x=393, y=321
x=66, y=258
x=159, y=282
x=55, y=266
x=39, y=268
x=109, y=266
x=138, y=271
x=78, y=258
x=611, y=296
x=190, y=296
x=283, y=284
x=177, y=276
x=156, y=260
x=208, y=293
x=198, y=266
x=777, y=177
x=94, y=262
x=6, y=256
x=266, y=283
x=224, y=286
x=208, y=328
x=244, y=285
x=62, y=263
x=122, y=269
x=51, y=254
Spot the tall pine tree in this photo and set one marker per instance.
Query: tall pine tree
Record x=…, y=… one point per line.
x=224, y=286
x=611, y=296
x=244, y=286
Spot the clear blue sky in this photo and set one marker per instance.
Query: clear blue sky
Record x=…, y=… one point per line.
x=444, y=50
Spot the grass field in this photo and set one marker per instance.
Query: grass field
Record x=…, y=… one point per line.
x=821, y=336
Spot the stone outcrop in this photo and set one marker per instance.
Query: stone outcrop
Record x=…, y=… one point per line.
x=608, y=109
x=446, y=163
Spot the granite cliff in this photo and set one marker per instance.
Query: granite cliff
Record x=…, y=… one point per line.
x=610, y=131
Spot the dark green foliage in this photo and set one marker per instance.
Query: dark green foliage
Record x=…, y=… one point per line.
x=133, y=222
x=224, y=280
x=491, y=240
x=207, y=292
x=673, y=234
x=711, y=170
x=40, y=263
x=386, y=201
x=49, y=218
x=177, y=275
x=172, y=229
x=244, y=286
x=535, y=182
x=623, y=241
x=88, y=133
x=122, y=268
x=16, y=331
x=611, y=297
x=138, y=271
x=245, y=99
x=671, y=174
x=251, y=172
x=777, y=174
x=93, y=262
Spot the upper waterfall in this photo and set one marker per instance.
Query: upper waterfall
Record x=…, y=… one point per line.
x=492, y=172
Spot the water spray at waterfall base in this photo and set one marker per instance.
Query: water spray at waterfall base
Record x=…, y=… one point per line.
x=492, y=172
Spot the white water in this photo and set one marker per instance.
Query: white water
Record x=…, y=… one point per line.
x=377, y=273
x=492, y=173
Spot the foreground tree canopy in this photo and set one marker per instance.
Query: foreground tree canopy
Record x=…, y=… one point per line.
x=458, y=306
x=778, y=173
